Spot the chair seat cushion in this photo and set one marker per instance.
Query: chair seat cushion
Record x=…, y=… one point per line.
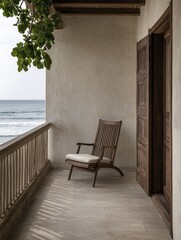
x=85, y=158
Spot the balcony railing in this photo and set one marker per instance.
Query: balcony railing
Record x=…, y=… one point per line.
x=21, y=161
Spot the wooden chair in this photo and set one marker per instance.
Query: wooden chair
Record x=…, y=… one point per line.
x=103, y=150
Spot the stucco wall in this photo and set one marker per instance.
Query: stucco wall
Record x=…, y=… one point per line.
x=177, y=119
x=92, y=77
x=150, y=15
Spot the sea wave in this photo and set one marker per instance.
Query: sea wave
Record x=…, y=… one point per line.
x=16, y=128
x=22, y=115
x=17, y=118
x=19, y=124
x=8, y=135
x=9, y=112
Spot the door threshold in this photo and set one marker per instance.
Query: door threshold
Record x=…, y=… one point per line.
x=163, y=208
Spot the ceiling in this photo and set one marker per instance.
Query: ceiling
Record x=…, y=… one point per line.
x=128, y=7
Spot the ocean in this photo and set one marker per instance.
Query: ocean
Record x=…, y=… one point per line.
x=19, y=116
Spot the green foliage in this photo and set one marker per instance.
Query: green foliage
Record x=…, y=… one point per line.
x=36, y=25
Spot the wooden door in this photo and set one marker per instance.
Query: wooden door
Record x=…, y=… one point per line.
x=167, y=161
x=143, y=121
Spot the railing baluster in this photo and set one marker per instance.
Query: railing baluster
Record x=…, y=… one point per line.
x=3, y=184
x=28, y=167
x=1, y=187
x=21, y=169
x=21, y=160
x=25, y=161
x=16, y=175
x=10, y=180
x=36, y=157
x=7, y=184
x=18, y=172
x=30, y=158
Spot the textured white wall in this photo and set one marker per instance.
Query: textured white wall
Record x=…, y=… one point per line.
x=177, y=119
x=150, y=15
x=93, y=76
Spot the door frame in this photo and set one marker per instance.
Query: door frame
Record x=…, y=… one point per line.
x=159, y=28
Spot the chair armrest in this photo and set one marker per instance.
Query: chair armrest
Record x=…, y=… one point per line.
x=85, y=144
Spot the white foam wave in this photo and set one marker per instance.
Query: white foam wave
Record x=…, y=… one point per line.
x=16, y=128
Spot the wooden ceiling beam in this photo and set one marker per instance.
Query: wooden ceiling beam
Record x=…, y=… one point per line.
x=141, y=2
x=97, y=5
x=100, y=6
x=122, y=11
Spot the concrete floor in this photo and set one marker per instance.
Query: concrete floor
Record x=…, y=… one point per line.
x=116, y=209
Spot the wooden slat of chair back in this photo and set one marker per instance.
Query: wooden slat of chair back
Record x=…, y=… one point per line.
x=107, y=134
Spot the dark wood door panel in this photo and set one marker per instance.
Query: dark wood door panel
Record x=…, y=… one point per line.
x=142, y=134
x=142, y=173
x=142, y=94
x=167, y=181
x=167, y=117
x=143, y=122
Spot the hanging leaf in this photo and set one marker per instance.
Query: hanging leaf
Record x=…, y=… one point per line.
x=36, y=26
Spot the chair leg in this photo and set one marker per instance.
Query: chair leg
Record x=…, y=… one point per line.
x=119, y=170
x=70, y=173
x=95, y=176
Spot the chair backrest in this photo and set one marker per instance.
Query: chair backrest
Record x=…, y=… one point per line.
x=107, y=134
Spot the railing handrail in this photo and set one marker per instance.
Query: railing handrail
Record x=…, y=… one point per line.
x=19, y=141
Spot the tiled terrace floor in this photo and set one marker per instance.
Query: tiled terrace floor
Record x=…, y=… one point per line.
x=116, y=209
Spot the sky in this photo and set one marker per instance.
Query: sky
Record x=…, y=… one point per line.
x=15, y=85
